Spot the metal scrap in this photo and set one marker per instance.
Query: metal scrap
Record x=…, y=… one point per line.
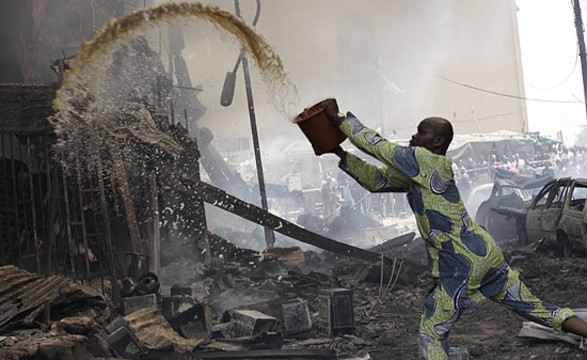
x=155, y=332
x=24, y=295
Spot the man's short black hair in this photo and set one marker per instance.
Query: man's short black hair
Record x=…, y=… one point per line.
x=442, y=127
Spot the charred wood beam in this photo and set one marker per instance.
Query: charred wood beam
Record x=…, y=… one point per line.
x=109, y=243
x=131, y=217
x=35, y=228
x=154, y=257
x=70, y=241
x=82, y=220
x=251, y=212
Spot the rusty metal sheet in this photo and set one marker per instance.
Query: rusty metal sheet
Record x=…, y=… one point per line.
x=23, y=292
x=24, y=295
x=155, y=332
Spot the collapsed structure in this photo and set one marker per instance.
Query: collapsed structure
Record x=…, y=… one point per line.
x=105, y=249
x=102, y=182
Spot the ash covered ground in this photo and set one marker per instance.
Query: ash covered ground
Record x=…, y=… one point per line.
x=390, y=325
x=386, y=321
x=488, y=330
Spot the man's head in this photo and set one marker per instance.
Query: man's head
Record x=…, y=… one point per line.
x=435, y=134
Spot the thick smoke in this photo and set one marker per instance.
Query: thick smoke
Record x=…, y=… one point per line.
x=382, y=60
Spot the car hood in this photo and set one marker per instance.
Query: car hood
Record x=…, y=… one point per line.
x=522, y=181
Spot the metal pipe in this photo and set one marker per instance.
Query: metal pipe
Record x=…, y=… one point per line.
x=581, y=40
x=269, y=235
x=36, y=242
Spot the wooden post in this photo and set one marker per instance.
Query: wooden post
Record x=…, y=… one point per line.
x=33, y=208
x=70, y=242
x=154, y=257
x=82, y=219
x=109, y=244
x=131, y=217
x=15, y=193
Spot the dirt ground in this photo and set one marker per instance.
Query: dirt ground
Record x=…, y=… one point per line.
x=389, y=330
x=383, y=330
x=488, y=330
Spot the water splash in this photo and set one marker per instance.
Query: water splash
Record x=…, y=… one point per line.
x=81, y=118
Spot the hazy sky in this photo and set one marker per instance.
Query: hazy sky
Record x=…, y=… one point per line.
x=552, y=70
x=551, y=67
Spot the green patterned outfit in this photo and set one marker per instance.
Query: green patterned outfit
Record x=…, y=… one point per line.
x=464, y=260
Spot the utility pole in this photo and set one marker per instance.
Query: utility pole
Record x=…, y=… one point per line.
x=581, y=39
x=269, y=235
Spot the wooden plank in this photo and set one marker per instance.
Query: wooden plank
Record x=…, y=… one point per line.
x=108, y=239
x=131, y=216
x=537, y=331
x=154, y=255
x=395, y=242
x=251, y=212
x=80, y=194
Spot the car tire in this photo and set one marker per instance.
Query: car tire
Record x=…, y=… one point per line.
x=563, y=244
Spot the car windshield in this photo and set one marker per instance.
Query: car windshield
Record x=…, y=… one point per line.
x=579, y=192
x=523, y=194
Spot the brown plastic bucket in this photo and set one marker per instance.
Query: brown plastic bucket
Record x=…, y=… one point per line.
x=318, y=128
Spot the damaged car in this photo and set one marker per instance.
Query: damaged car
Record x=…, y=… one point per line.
x=557, y=216
x=503, y=214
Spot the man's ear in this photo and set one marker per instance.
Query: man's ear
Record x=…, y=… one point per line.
x=439, y=141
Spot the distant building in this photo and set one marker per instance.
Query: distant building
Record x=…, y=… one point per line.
x=395, y=62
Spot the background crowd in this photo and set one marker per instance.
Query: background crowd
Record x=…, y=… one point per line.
x=553, y=160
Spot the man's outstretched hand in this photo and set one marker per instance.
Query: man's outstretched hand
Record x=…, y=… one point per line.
x=339, y=151
x=335, y=116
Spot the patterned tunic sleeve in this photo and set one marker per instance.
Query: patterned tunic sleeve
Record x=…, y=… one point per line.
x=394, y=156
x=373, y=178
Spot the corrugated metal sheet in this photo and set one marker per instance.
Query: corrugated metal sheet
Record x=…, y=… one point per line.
x=155, y=332
x=25, y=293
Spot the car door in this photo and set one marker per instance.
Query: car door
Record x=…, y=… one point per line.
x=554, y=207
x=533, y=228
x=572, y=218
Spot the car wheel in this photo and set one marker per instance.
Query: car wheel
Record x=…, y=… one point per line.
x=564, y=247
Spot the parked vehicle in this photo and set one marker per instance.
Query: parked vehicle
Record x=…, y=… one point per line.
x=478, y=195
x=502, y=215
x=558, y=215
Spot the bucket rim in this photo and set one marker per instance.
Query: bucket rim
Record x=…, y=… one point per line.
x=312, y=110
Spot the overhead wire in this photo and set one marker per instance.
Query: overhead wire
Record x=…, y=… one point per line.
x=509, y=95
x=469, y=119
x=489, y=117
